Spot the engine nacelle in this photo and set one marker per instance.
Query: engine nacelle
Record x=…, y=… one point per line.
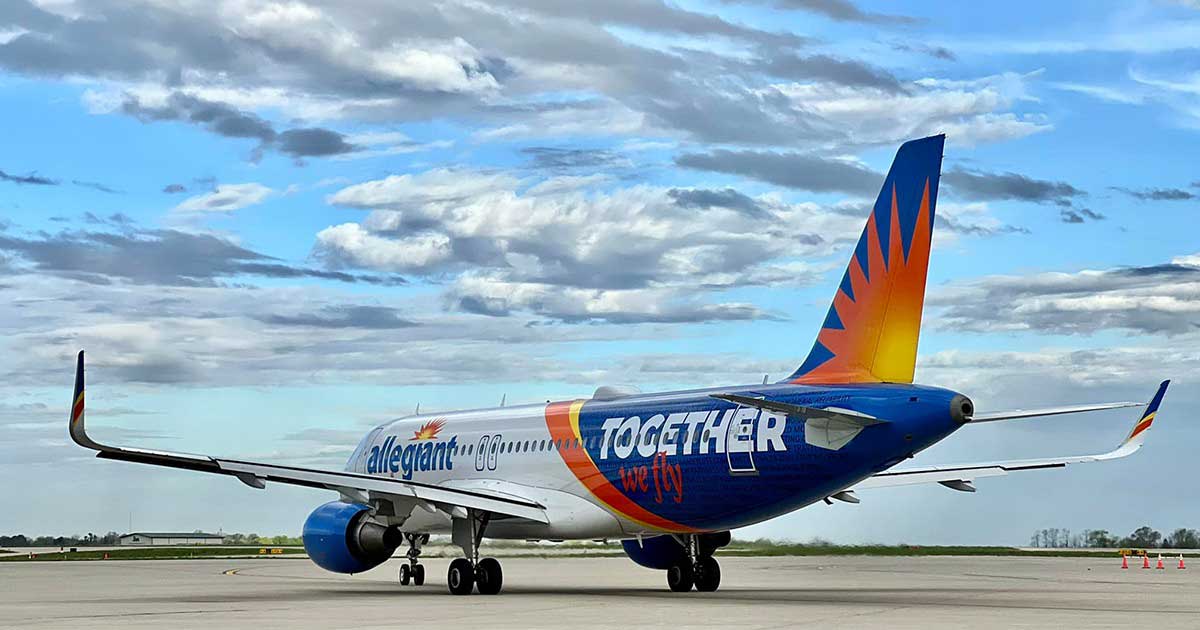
x=660, y=552
x=341, y=537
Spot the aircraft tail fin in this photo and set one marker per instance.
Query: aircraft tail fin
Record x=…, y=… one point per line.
x=871, y=331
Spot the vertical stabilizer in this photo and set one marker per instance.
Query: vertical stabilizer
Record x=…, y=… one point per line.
x=871, y=331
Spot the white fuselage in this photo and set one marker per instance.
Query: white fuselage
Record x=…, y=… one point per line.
x=506, y=450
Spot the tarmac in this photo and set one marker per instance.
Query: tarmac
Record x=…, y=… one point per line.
x=779, y=592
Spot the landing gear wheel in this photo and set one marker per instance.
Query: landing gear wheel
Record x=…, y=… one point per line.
x=405, y=574
x=488, y=576
x=461, y=576
x=707, y=574
x=679, y=577
x=418, y=575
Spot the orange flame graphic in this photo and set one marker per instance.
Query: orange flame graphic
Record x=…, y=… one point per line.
x=429, y=430
x=881, y=323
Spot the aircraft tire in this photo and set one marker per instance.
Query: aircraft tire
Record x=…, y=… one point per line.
x=405, y=574
x=489, y=577
x=418, y=575
x=460, y=577
x=707, y=574
x=679, y=577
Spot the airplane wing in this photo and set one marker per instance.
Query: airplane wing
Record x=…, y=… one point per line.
x=257, y=474
x=959, y=477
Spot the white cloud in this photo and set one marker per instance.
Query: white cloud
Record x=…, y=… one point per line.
x=969, y=111
x=1153, y=299
x=375, y=252
x=563, y=248
x=225, y=198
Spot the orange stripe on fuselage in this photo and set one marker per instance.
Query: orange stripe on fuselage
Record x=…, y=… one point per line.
x=562, y=418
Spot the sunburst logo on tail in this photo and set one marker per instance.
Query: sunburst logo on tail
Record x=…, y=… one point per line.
x=429, y=430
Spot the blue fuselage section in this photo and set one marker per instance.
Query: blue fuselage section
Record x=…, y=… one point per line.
x=707, y=464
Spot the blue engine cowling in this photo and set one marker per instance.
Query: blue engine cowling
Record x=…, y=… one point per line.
x=341, y=537
x=660, y=552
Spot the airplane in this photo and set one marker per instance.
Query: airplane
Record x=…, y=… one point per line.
x=671, y=473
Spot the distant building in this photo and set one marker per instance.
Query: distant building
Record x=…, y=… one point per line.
x=171, y=538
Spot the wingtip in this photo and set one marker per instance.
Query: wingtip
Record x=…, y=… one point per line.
x=76, y=424
x=1146, y=420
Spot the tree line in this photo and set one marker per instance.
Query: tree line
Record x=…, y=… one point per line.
x=1144, y=537
x=112, y=539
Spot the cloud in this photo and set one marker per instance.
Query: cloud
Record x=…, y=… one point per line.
x=972, y=219
x=1157, y=194
x=981, y=185
x=937, y=52
x=228, y=121
x=831, y=69
x=528, y=68
x=1008, y=186
x=560, y=159
x=32, y=178
x=343, y=316
x=497, y=296
x=838, y=10
x=97, y=186
x=699, y=198
x=313, y=142
x=560, y=249
x=1079, y=215
x=1161, y=299
x=793, y=170
x=225, y=198
x=155, y=257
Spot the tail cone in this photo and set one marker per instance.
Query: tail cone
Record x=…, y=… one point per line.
x=1160, y=563
x=1181, y=562
x=1124, y=561
x=1146, y=561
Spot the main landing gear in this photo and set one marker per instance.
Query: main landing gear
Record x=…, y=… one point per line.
x=413, y=571
x=466, y=574
x=697, y=569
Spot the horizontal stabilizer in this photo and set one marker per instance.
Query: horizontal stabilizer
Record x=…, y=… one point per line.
x=829, y=428
x=1017, y=414
x=958, y=477
x=803, y=413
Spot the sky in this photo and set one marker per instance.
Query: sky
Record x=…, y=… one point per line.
x=274, y=225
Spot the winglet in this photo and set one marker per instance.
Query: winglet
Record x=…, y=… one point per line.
x=1138, y=434
x=78, y=432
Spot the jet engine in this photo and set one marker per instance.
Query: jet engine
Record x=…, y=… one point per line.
x=341, y=537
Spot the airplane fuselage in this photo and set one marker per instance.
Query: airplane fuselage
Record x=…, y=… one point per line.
x=650, y=463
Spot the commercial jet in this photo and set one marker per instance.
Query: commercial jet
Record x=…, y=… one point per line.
x=669, y=474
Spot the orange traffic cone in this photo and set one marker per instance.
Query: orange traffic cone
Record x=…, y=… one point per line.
x=1181, y=562
x=1160, y=564
x=1145, y=561
x=1124, y=561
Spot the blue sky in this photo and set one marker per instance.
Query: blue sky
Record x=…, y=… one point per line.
x=276, y=224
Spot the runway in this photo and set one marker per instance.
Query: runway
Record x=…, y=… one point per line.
x=824, y=592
